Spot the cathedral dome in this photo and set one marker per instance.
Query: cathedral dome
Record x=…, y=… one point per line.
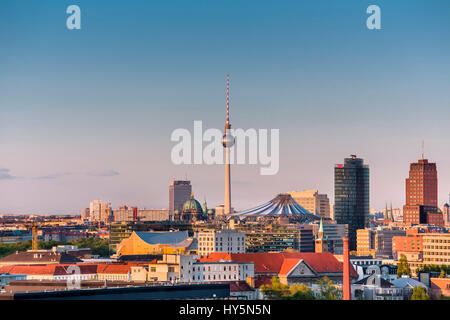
x=192, y=206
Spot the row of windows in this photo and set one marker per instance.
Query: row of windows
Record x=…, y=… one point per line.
x=436, y=253
x=219, y=277
x=437, y=247
x=209, y=268
x=437, y=259
x=436, y=241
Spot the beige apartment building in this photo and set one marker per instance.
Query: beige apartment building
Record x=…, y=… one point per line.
x=365, y=242
x=313, y=201
x=156, y=272
x=436, y=248
x=172, y=268
x=376, y=242
x=153, y=214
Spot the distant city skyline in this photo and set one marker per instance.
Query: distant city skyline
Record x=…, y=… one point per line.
x=87, y=114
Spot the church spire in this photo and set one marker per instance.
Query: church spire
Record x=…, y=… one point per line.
x=386, y=212
x=392, y=213
x=321, y=244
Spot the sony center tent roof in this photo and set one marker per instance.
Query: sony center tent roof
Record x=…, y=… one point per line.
x=282, y=204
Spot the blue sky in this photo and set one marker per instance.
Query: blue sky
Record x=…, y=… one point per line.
x=87, y=114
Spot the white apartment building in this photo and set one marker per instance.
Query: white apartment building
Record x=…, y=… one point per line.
x=221, y=271
x=225, y=240
x=100, y=211
x=188, y=269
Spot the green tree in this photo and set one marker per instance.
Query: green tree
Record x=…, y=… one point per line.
x=45, y=245
x=98, y=246
x=434, y=268
x=9, y=248
x=443, y=274
x=276, y=291
x=301, y=292
x=279, y=291
x=328, y=291
x=403, y=267
x=420, y=293
x=444, y=269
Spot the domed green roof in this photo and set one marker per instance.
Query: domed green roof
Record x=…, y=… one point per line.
x=192, y=205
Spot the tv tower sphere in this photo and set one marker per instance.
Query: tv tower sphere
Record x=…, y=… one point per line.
x=228, y=140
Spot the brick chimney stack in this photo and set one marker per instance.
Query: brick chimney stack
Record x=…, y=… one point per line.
x=346, y=277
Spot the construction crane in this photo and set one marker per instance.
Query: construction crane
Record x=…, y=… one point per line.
x=34, y=232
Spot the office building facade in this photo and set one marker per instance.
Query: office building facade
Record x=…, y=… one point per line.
x=226, y=240
x=179, y=192
x=334, y=233
x=351, y=192
x=100, y=211
x=421, y=195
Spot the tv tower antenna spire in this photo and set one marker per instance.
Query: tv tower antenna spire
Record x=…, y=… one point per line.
x=227, y=142
x=228, y=98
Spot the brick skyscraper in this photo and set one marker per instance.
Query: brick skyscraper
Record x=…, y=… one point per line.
x=421, y=194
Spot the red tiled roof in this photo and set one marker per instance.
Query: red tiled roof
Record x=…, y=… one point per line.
x=43, y=257
x=288, y=264
x=6, y=269
x=38, y=269
x=239, y=286
x=62, y=270
x=49, y=269
x=271, y=263
x=115, y=269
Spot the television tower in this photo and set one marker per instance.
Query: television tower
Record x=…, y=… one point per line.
x=227, y=142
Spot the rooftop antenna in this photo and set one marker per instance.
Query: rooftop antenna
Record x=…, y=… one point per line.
x=423, y=149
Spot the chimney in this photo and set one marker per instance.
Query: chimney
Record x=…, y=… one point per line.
x=346, y=276
x=250, y=281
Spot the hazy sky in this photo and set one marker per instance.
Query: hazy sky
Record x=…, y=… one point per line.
x=87, y=114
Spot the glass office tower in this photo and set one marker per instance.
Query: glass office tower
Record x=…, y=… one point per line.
x=351, y=196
